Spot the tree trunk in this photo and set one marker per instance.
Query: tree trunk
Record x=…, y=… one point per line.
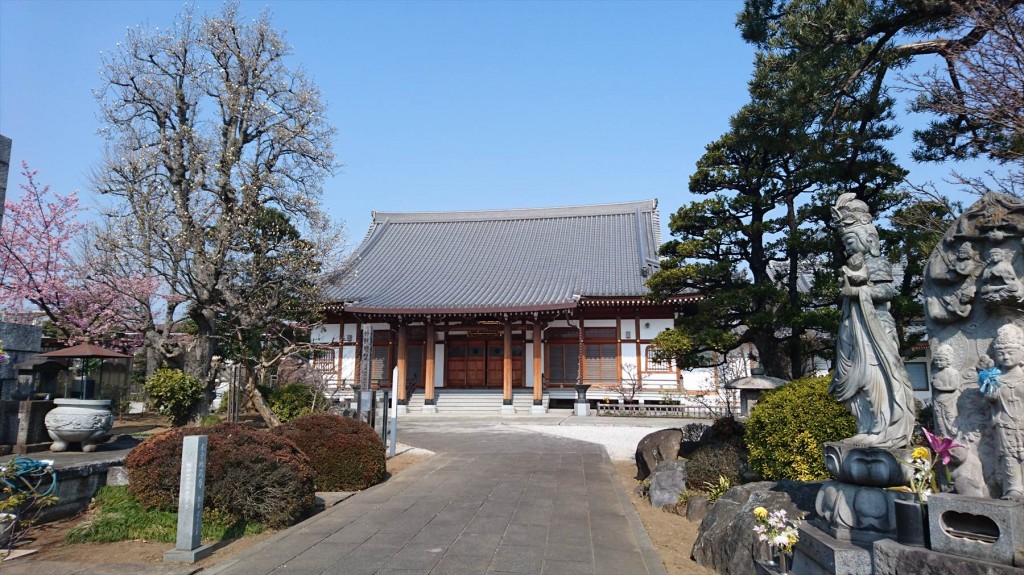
x=259, y=403
x=199, y=359
x=769, y=356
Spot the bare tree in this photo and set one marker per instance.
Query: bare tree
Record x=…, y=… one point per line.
x=629, y=385
x=215, y=145
x=978, y=91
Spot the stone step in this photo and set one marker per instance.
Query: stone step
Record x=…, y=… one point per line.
x=481, y=401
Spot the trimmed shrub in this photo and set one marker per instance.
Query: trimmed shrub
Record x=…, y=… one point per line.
x=346, y=455
x=788, y=427
x=296, y=400
x=251, y=475
x=725, y=430
x=174, y=394
x=711, y=462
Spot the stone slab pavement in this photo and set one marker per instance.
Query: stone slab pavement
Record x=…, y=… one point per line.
x=492, y=500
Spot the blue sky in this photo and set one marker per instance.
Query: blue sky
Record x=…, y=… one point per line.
x=439, y=105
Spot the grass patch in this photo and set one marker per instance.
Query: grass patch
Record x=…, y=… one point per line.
x=117, y=516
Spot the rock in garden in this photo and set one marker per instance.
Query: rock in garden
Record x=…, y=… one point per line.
x=726, y=542
x=668, y=481
x=656, y=447
x=696, y=507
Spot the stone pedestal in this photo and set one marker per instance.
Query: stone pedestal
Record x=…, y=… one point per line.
x=818, y=553
x=429, y=408
x=508, y=409
x=891, y=558
x=538, y=409
x=868, y=466
x=857, y=513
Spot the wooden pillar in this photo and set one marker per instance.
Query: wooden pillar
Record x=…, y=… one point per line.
x=428, y=368
x=403, y=347
x=359, y=353
x=506, y=365
x=538, y=382
x=639, y=358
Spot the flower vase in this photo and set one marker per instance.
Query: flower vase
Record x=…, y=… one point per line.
x=912, y=524
x=783, y=563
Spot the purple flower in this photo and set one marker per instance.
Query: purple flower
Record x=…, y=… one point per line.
x=941, y=446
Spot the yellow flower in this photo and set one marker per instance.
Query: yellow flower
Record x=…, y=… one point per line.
x=920, y=453
x=760, y=513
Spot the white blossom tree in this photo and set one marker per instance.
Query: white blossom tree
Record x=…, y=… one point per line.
x=209, y=130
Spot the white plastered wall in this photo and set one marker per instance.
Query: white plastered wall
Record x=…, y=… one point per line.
x=326, y=333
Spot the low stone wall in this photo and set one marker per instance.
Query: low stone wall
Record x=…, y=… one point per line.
x=76, y=485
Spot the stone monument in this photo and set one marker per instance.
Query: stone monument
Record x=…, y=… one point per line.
x=856, y=507
x=974, y=309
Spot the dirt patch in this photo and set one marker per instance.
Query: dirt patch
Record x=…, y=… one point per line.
x=49, y=538
x=673, y=535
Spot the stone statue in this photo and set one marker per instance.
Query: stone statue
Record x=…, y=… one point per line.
x=945, y=390
x=1006, y=393
x=974, y=308
x=1001, y=281
x=869, y=374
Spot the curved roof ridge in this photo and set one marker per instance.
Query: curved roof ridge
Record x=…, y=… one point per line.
x=518, y=213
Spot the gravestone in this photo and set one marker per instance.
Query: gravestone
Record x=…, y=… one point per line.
x=188, y=547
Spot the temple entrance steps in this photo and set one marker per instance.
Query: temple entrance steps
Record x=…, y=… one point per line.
x=474, y=400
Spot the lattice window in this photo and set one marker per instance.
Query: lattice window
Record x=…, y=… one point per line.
x=323, y=360
x=654, y=365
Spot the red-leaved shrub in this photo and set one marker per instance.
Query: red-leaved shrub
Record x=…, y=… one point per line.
x=346, y=455
x=250, y=474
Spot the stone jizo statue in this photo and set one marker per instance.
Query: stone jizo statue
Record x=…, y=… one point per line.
x=945, y=390
x=1007, y=397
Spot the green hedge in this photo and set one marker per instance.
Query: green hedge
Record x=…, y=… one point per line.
x=788, y=427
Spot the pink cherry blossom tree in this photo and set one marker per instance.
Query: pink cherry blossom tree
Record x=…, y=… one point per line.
x=38, y=268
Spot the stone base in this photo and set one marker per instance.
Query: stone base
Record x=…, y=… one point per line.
x=856, y=513
x=984, y=529
x=582, y=409
x=508, y=410
x=538, y=410
x=429, y=409
x=188, y=555
x=891, y=558
x=869, y=466
x=402, y=409
x=818, y=553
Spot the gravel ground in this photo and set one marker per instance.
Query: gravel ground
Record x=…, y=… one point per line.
x=620, y=440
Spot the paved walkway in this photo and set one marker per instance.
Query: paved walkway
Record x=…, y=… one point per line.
x=493, y=500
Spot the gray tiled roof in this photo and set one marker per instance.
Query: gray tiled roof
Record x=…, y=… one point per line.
x=501, y=260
